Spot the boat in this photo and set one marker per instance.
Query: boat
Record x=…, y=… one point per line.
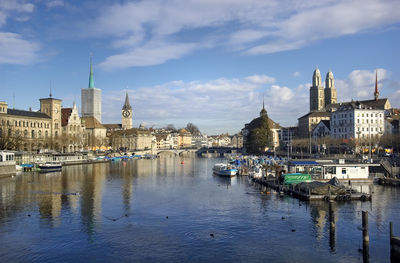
x=224, y=170
x=295, y=178
x=50, y=167
x=256, y=172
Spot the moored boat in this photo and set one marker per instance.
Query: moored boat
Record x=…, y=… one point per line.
x=256, y=172
x=224, y=170
x=50, y=167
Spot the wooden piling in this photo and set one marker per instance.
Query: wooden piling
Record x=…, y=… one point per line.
x=332, y=230
x=365, y=236
x=365, y=226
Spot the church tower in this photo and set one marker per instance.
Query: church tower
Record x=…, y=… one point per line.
x=52, y=107
x=317, y=101
x=330, y=90
x=91, y=99
x=376, y=93
x=126, y=114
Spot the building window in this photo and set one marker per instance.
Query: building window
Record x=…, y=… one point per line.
x=33, y=134
x=343, y=170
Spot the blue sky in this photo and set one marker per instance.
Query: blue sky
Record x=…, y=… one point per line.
x=206, y=62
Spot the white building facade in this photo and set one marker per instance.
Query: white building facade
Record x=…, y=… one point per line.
x=355, y=120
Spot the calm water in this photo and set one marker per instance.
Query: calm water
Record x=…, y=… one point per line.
x=163, y=211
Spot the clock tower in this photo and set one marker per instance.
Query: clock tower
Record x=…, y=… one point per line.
x=126, y=114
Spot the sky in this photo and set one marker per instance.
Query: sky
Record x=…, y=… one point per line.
x=208, y=62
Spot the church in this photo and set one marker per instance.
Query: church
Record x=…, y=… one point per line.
x=321, y=101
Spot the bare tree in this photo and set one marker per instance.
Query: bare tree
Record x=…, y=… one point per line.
x=170, y=127
x=10, y=140
x=193, y=129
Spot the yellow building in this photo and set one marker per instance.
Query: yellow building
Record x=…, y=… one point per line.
x=309, y=121
x=31, y=130
x=184, y=138
x=132, y=139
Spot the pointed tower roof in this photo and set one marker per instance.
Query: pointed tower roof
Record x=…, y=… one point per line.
x=329, y=74
x=316, y=80
x=376, y=93
x=91, y=81
x=127, y=106
x=263, y=110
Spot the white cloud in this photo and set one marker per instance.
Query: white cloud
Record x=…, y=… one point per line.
x=225, y=104
x=360, y=84
x=395, y=99
x=16, y=50
x=261, y=79
x=252, y=26
x=10, y=7
x=296, y=74
x=55, y=3
x=147, y=55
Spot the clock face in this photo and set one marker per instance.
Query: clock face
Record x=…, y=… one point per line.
x=125, y=113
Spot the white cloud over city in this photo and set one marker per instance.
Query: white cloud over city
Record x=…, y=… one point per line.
x=251, y=27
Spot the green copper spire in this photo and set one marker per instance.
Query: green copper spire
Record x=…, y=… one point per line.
x=91, y=81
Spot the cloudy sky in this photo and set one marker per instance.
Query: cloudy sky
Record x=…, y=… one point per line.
x=209, y=62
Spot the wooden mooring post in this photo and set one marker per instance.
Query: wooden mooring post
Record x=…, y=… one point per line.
x=365, y=236
x=332, y=227
x=394, y=245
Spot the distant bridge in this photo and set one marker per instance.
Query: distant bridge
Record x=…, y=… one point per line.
x=176, y=152
x=220, y=150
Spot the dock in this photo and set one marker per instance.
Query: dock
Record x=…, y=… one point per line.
x=389, y=181
x=296, y=192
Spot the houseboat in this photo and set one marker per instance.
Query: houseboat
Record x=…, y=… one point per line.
x=325, y=170
x=7, y=163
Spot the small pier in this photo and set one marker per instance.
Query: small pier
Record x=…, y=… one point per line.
x=389, y=181
x=306, y=195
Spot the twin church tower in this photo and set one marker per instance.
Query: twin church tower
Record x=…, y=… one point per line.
x=91, y=103
x=320, y=98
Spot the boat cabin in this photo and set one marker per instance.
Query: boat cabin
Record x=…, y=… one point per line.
x=7, y=163
x=7, y=157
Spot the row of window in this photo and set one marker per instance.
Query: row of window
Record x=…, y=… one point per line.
x=9, y=157
x=26, y=124
x=370, y=115
x=372, y=129
x=3, y=109
x=370, y=121
x=343, y=115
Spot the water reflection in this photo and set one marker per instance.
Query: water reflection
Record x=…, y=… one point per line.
x=166, y=209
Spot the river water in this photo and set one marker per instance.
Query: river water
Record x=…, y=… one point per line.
x=164, y=211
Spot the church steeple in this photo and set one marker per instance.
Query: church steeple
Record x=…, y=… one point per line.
x=263, y=110
x=376, y=93
x=127, y=105
x=91, y=81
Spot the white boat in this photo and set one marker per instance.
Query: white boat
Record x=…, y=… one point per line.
x=224, y=170
x=256, y=172
x=50, y=167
